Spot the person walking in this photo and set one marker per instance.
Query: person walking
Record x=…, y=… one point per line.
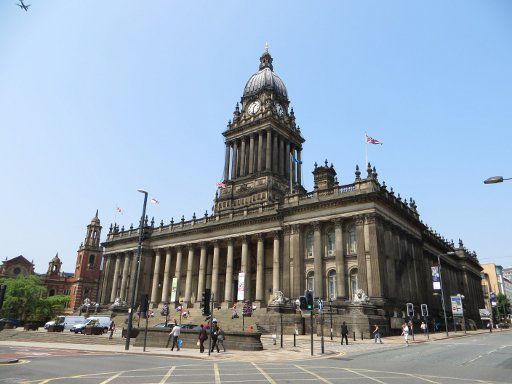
x=376, y=334
x=203, y=336
x=112, y=328
x=220, y=338
x=344, y=333
x=214, y=334
x=234, y=313
x=175, y=334
x=405, y=333
x=424, y=328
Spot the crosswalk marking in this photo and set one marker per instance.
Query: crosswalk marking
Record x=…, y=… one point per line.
x=269, y=379
x=112, y=378
x=314, y=374
x=217, y=373
x=167, y=375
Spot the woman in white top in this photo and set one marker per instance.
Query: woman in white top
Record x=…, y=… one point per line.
x=405, y=333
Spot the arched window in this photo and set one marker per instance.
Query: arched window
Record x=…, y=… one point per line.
x=91, y=261
x=309, y=244
x=52, y=292
x=353, y=281
x=351, y=240
x=310, y=281
x=331, y=281
x=331, y=247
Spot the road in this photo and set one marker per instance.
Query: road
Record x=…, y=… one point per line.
x=484, y=358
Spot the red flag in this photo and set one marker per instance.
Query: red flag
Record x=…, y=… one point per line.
x=371, y=140
x=221, y=185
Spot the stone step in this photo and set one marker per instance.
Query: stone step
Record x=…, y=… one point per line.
x=57, y=337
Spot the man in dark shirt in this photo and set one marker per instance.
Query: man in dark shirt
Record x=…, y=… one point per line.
x=344, y=333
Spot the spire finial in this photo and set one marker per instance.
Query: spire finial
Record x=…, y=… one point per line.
x=266, y=47
x=96, y=216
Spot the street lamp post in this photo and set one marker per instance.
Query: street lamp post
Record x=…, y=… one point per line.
x=330, y=313
x=442, y=292
x=496, y=179
x=139, y=249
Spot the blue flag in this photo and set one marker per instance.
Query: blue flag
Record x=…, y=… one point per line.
x=295, y=160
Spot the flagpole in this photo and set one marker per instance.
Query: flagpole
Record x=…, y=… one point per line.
x=366, y=149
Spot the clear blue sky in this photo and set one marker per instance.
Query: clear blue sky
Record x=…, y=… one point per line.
x=99, y=98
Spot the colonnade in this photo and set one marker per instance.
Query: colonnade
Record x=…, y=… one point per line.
x=262, y=151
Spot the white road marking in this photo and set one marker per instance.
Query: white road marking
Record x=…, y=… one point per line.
x=269, y=379
x=217, y=373
x=112, y=378
x=314, y=374
x=362, y=374
x=167, y=375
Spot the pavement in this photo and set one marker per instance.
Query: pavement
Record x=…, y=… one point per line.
x=271, y=352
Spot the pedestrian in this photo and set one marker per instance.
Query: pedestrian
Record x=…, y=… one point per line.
x=344, y=333
x=175, y=333
x=220, y=338
x=111, y=328
x=234, y=314
x=203, y=336
x=424, y=328
x=214, y=333
x=405, y=333
x=376, y=334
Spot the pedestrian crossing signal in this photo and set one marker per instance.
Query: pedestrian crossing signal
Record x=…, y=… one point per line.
x=303, y=303
x=206, y=302
x=309, y=300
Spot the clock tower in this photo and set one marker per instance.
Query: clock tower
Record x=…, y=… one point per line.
x=263, y=145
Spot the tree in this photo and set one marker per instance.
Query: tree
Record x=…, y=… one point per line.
x=23, y=300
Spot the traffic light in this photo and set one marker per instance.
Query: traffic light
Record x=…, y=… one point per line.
x=207, y=294
x=424, y=310
x=303, y=303
x=309, y=300
x=410, y=309
x=3, y=287
x=144, y=304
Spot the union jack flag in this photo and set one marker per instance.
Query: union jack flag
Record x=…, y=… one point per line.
x=371, y=140
x=221, y=185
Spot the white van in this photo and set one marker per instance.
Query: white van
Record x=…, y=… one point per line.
x=102, y=321
x=68, y=321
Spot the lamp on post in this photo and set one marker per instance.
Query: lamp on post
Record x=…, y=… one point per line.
x=496, y=179
x=442, y=292
x=136, y=277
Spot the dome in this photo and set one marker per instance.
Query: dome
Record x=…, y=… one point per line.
x=265, y=79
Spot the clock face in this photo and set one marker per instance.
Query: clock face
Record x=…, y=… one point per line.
x=254, y=107
x=279, y=109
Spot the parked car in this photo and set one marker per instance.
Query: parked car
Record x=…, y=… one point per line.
x=100, y=321
x=193, y=327
x=12, y=322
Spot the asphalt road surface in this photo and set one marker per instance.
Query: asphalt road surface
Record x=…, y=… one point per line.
x=486, y=358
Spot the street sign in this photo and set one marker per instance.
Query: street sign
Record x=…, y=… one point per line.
x=424, y=310
x=456, y=302
x=485, y=314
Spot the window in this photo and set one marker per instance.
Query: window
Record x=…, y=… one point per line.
x=331, y=281
x=91, y=261
x=16, y=271
x=309, y=244
x=353, y=281
x=66, y=292
x=331, y=247
x=351, y=240
x=310, y=281
x=52, y=292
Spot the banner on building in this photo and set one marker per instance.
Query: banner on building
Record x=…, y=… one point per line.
x=457, y=306
x=436, y=278
x=493, y=298
x=241, y=286
x=485, y=314
x=174, y=289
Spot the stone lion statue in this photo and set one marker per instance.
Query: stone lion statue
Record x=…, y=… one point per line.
x=360, y=297
x=279, y=298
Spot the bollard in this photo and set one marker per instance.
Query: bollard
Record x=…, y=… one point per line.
x=362, y=335
x=294, y=340
x=354, y=335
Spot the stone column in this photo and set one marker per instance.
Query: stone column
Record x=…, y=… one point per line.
x=209, y=262
x=268, y=158
x=226, y=162
x=202, y=271
x=287, y=161
x=281, y=156
x=260, y=151
x=245, y=263
x=318, y=258
x=294, y=168
x=297, y=252
x=234, y=174
x=341, y=276
x=215, y=270
x=124, y=279
x=188, y=281
x=275, y=263
x=242, y=158
x=361, y=254
x=133, y=273
x=113, y=294
x=228, y=289
x=287, y=272
x=275, y=155
x=104, y=294
x=177, y=271
x=260, y=268
x=167, y=272
x=156, y=277
x=299, y=167
x=251, y=155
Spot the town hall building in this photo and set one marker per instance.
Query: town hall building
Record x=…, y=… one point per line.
x=333, y=240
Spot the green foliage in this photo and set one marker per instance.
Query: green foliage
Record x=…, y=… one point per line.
x=23, y=300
